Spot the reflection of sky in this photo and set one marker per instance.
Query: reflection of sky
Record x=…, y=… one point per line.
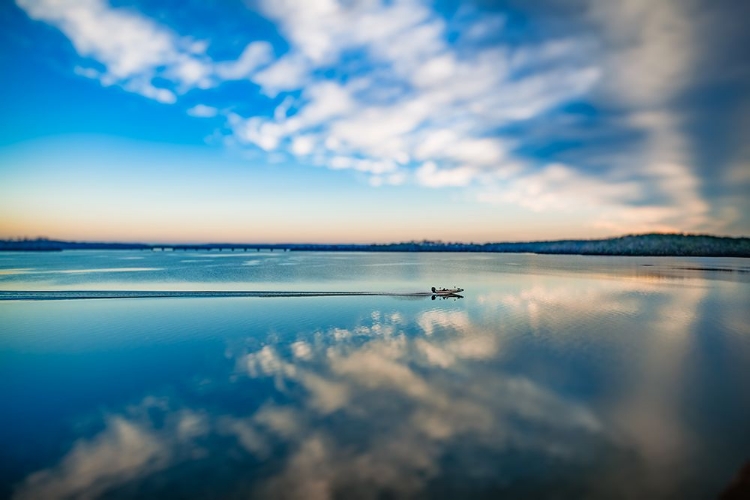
x=145, y=270
x=561, y=382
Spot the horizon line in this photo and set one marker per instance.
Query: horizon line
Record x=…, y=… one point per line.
x=423, y=241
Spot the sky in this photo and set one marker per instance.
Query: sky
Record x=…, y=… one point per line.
x=373, y=121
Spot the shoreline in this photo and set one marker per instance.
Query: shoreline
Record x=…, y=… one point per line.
x=644, y=245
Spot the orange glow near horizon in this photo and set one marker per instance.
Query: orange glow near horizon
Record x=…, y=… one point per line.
x=130, y=192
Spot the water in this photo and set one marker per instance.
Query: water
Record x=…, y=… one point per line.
x=554, y=376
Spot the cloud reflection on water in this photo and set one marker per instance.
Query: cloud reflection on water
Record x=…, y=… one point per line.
x=128, y=449
x=413, y=396
x=399, y=400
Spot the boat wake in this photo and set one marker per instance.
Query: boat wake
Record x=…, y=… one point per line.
x=121, y=294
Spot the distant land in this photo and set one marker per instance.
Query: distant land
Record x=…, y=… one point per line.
x=653, y=244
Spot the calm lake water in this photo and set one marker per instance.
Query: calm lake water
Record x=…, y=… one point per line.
x=554, y=377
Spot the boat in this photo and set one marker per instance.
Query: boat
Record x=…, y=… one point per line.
x=446, y=291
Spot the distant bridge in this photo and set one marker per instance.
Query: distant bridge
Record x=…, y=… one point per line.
x=221, y=247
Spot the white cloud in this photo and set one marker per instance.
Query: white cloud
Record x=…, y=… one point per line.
x=265, y=134
x=435, y=71
x=451, y=144
x=431, y=176
x=287, y=73
x=190, y=72
x=302, y=145
x=201, y=110
x=559, y=187
x=87, y=72
x=135, y=50
x=126, y=43
x=255, y=55
x=320, y=31
x=305, y=24
x=327, y=100
x=487, y=25
x=612, y=203
x=144, y=87
x=376, y=167
x=324, y=101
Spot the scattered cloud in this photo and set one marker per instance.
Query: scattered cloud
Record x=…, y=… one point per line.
x=130, y=46
x=288, y=73
x=137, y=51
x=412, y=96
x=255, y=55
x=407, y=95
x=203, y=111
x=430, y=175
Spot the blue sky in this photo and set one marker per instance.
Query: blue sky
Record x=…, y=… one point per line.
x=366, y=121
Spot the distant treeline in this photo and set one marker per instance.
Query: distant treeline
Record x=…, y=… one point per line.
x=633, y=245
x=655, y=244
x=47, y=245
